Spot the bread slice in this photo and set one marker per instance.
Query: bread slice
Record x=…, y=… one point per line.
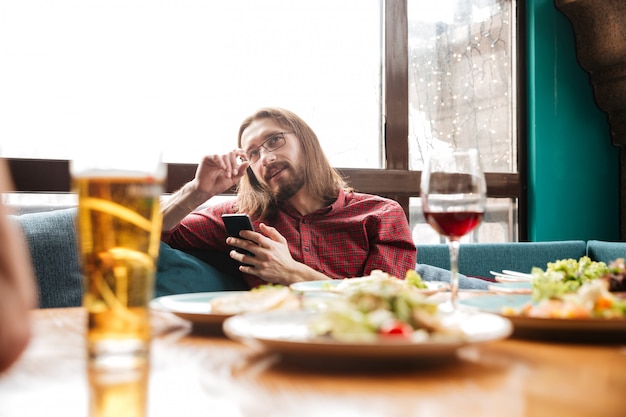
x=263, y=299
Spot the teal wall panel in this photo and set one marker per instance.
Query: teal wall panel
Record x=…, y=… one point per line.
x=573, y=167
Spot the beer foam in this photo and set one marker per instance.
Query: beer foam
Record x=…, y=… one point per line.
x=119, y=173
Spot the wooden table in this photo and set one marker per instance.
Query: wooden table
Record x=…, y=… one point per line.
x=209, y=375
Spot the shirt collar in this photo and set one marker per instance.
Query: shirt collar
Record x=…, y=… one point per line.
x=335, y=205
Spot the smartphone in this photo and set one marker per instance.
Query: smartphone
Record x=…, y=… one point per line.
x=234, y=224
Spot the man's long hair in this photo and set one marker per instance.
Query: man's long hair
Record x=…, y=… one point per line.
x=322, y=180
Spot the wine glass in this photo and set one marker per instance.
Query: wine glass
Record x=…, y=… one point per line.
x=453, y=191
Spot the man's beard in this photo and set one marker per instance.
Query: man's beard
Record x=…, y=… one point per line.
x=287, y=188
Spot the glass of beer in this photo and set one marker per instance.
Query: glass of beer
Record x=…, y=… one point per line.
x=119, y=227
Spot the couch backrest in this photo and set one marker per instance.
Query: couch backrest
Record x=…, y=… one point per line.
x=477, y=259
x=51, y=237
x=605, y=251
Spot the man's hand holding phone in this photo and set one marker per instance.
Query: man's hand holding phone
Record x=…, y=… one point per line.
x=235, y=223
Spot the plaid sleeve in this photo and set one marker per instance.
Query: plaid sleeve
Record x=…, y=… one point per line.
x=392, y=249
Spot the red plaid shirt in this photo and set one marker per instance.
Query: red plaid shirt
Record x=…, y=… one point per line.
x=349, y=238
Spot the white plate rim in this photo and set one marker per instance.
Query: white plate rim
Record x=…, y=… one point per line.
x=176, y=304
x=238, y=328
x=545, y=323
x=518, y=287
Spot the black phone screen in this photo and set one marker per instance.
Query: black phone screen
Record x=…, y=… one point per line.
x=234, y=224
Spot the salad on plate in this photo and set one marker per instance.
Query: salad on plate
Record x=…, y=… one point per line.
x=339, y=286
x=383, y=307
x=412, y=280
x=576, y=289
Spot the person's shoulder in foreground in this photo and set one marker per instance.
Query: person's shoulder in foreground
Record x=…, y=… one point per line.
x=17, y=285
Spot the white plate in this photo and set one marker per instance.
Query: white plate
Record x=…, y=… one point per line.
x=288, y=333
x=195, y=307
x=547, y=326
x=510, y=288
x=331, y=286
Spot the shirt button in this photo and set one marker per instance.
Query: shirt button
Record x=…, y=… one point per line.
x=307, y=249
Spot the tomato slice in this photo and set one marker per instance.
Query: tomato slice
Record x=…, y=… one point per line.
x=396, y=328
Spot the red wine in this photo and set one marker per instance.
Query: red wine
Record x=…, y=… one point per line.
x=454, y=224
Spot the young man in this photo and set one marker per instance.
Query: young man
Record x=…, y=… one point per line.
x=309, y=225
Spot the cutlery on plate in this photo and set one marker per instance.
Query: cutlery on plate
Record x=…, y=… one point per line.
x=515, y=273
x=505, y=277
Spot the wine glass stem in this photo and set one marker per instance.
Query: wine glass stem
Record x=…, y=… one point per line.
x=454, y=272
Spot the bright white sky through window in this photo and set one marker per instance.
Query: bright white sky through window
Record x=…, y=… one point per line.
x=182, y=74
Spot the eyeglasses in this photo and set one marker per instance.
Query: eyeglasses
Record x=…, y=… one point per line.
x=270, y=145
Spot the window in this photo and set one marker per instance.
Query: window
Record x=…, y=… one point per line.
x=182, y=74
x=462, y=94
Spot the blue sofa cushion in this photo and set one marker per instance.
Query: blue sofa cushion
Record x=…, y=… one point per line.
x=477, y=259
x=434, y=273
x=604, y=251
x=179, y=272
x=51, y=237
